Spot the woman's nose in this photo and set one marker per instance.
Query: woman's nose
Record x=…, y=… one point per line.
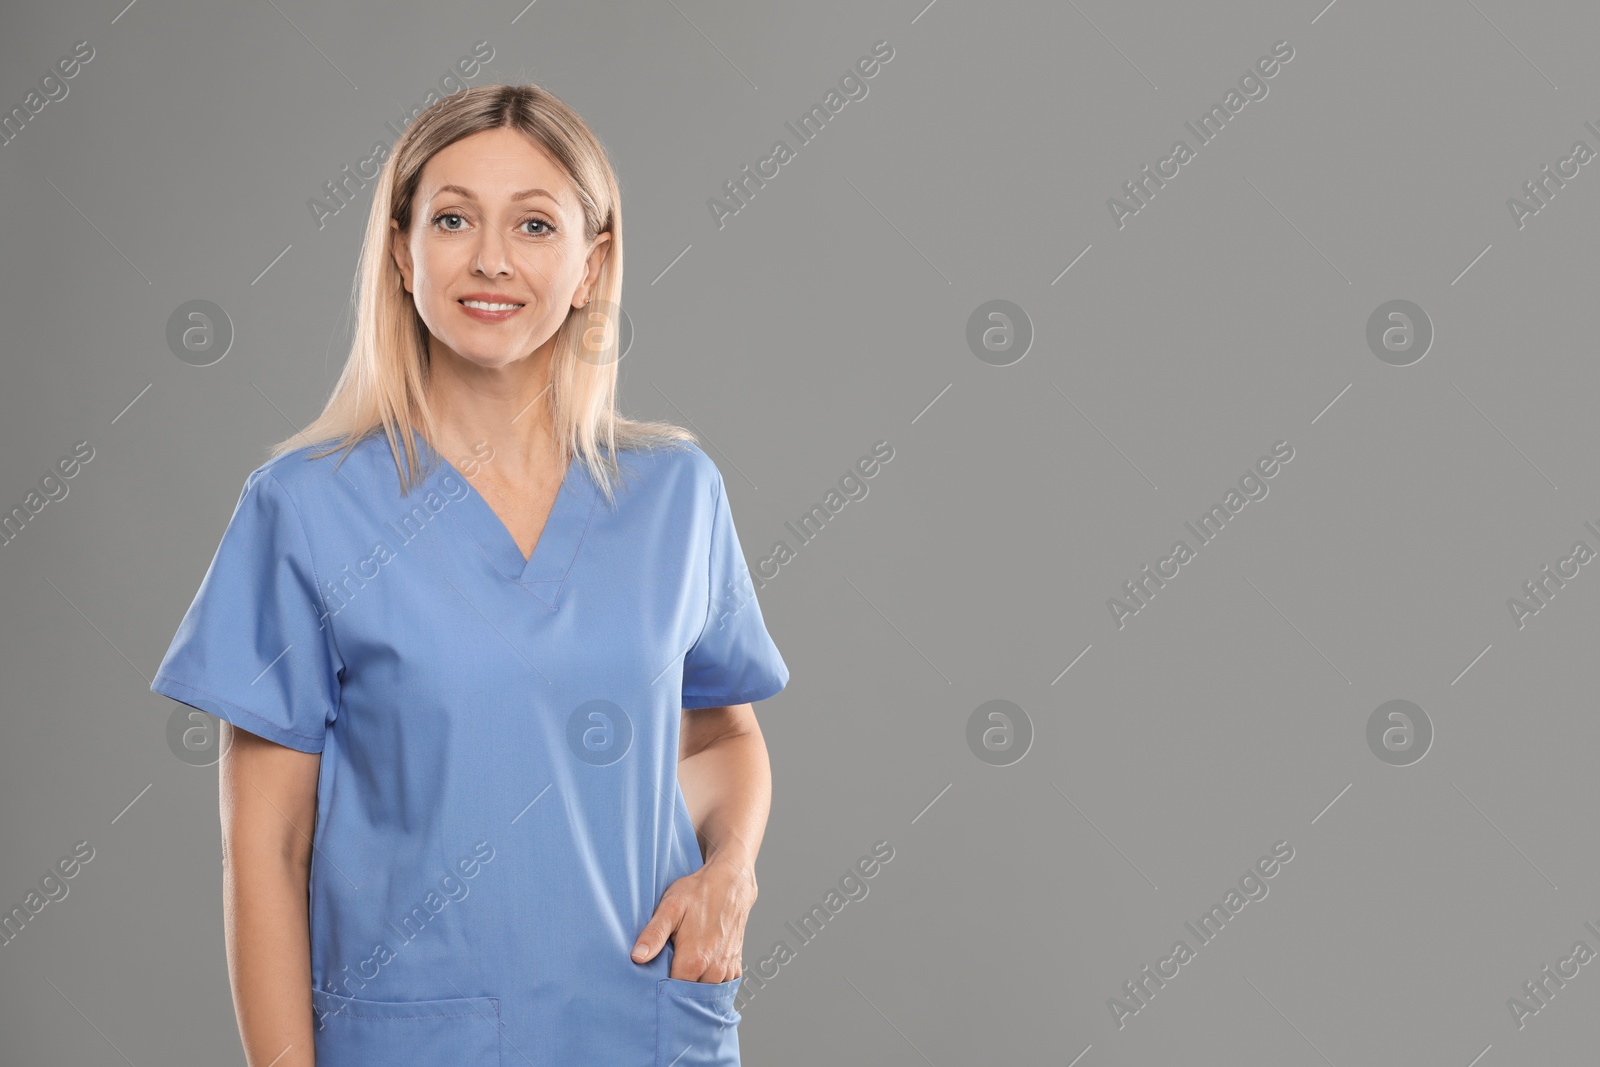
x=492, y=254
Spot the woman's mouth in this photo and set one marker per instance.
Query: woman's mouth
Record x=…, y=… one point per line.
x=490, y=311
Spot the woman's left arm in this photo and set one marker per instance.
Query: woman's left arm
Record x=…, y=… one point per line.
x=727, y=784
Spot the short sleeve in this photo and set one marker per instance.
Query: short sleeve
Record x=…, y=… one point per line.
x=735, y=660
x=255, y=648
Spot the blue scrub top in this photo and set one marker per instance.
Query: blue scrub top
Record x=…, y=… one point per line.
x=498, y=807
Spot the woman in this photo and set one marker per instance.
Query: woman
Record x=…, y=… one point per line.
x=512, y=694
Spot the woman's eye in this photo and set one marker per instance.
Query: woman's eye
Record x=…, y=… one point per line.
x=437, y=219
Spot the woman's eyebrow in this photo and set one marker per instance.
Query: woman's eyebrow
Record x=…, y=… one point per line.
x=459, y=191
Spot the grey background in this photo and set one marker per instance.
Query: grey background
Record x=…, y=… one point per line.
x=830, y=313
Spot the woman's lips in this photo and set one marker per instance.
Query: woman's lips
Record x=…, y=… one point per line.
x=486, y=315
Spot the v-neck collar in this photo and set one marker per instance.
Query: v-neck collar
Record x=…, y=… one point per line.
x=543, y=573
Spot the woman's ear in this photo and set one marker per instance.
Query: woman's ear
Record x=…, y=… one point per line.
x=400, y=249
x=597, y=257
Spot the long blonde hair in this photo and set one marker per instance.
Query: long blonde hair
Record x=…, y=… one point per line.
x=384, y=380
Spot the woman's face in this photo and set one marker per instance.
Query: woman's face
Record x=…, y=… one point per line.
x=495, y=222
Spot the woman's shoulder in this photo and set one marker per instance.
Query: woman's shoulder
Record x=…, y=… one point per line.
x=316, y=467
x=675, y=464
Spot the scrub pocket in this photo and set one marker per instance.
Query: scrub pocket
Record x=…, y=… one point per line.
x=696, y=1023
x=459, y=1032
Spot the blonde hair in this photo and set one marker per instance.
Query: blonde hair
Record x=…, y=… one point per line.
x=384, y=380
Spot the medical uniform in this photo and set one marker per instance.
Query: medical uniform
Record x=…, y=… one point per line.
x=498, y=808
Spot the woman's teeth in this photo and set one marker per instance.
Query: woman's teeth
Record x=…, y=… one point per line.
x=481, y=306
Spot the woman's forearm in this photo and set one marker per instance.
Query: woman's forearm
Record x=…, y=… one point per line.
x=728, y=788
x=269, y=808
x=269, y=961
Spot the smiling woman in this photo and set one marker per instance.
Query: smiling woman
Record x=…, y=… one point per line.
x=583, y=568
x=516, y=269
